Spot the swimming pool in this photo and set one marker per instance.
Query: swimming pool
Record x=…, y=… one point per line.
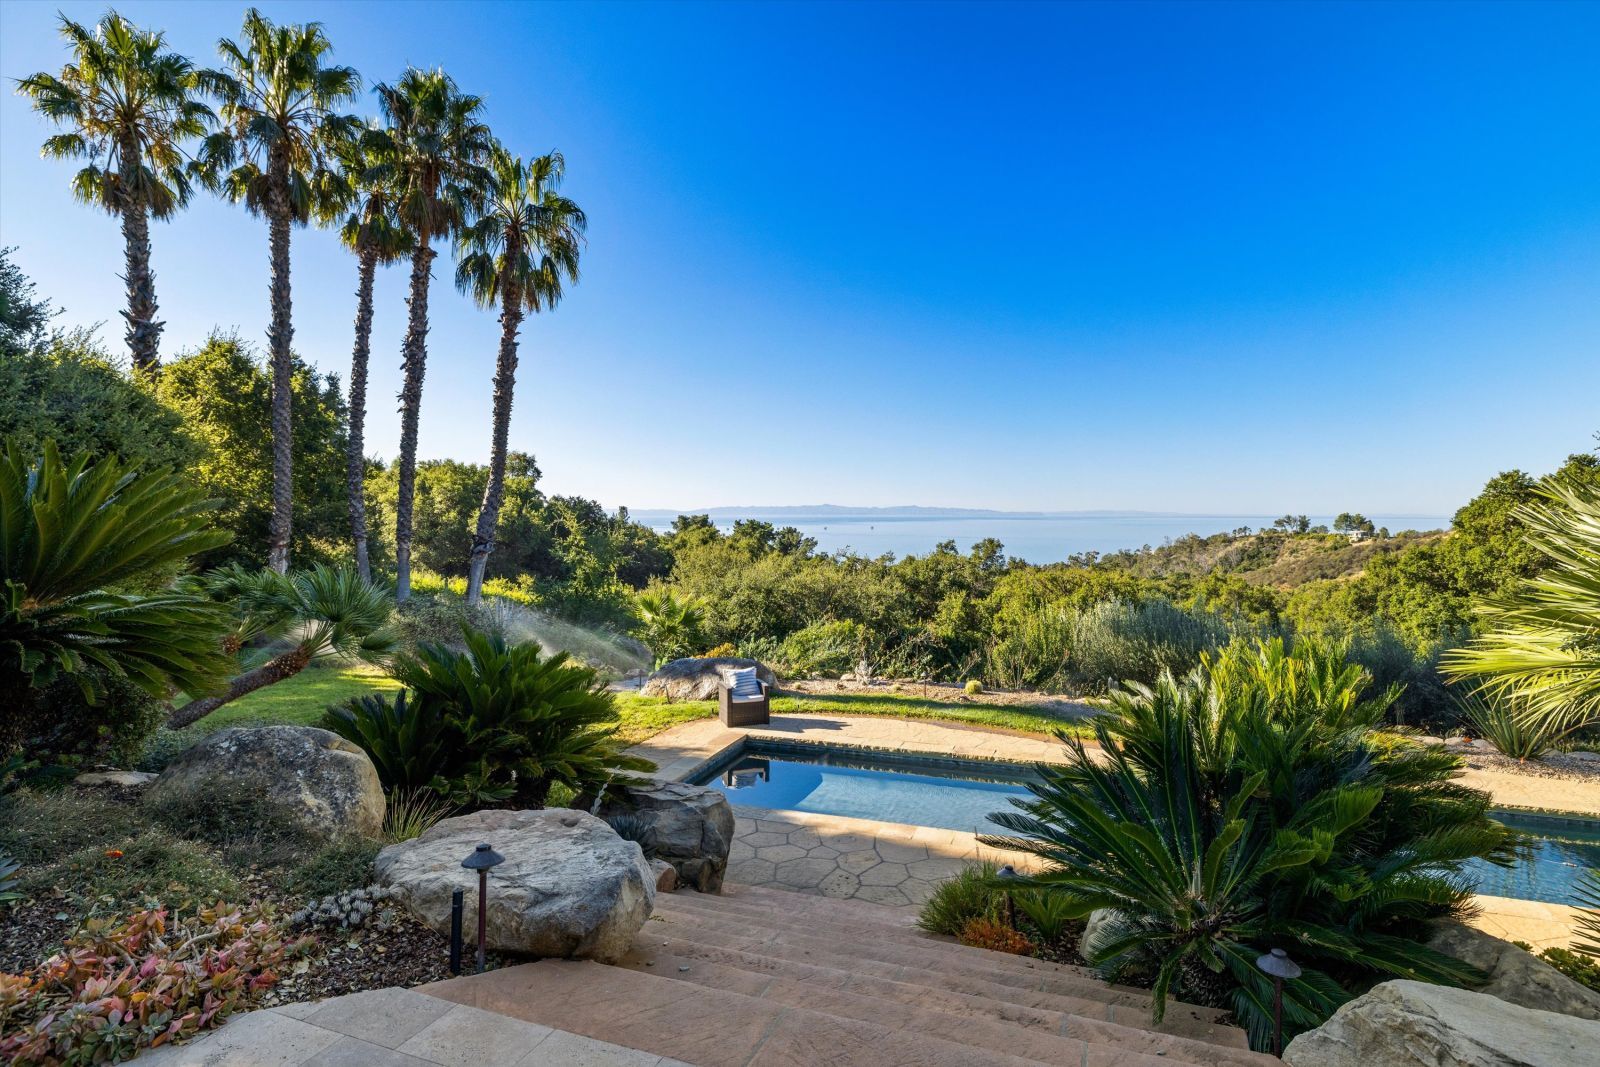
x=959, y=794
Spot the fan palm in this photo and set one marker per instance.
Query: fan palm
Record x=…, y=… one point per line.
x=670, y=625
x=273, y=154
x=1541, y=645
x=517, y=253
x=362, y=204
x=71, y=532
x=1249, y=807
x=325, y=611
x=438, y=144
x=129, y=104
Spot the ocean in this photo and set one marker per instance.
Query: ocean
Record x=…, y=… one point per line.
x=1037, y=538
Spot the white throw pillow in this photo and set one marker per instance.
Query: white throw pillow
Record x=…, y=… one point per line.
x=745, y=685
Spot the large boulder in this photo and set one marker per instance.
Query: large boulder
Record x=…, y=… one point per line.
x=1514, y=975
x=324, y=780
x=1414, y=1024
x=699, y=677
x=569, y=887
x=691, y=826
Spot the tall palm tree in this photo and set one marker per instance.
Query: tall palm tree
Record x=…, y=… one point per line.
x=273, y=154
x=515, y=253
x=364, y=209
x=130, y=104
x=439, y=143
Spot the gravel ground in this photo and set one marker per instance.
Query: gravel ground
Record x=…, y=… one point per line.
x=949, y=691
x=1566, y=765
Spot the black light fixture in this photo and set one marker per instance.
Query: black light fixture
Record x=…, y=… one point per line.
x=1278, y=964
x=482, y=860
x=1008, y=874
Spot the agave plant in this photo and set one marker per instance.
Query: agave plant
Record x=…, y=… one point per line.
x=9, y=879
x=1247, y=807
x=72, y=532
x=329, y=611
x=1513, y=731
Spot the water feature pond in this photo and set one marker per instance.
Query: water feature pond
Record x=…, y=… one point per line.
x=960, y=794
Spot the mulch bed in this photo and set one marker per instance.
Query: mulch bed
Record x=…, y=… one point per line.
x=402, y=953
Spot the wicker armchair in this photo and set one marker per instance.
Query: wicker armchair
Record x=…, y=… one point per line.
x=749, y=711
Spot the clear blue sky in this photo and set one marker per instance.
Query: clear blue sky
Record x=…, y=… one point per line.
x=1215, y=258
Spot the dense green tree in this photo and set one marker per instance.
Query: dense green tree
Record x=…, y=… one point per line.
x=1348, y=522
x=438, y=143
x=24, y=317
x=518, y=252
x=221, y=392
x=274, y=154
x=129, y=103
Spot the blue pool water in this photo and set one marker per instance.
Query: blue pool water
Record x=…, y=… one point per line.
x=961, y=794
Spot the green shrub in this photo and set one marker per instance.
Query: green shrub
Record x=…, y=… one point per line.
x=957, y=901
x=489, y=724
x=1228, y=805
x=336, y=867
x=112, y=731
x=823, y=649
x=1117, y=641
x=1513, y=732
x=1583, y=969
x=151, y=868
x=973, y=688
x=437, y=619
x=1054, y=918
x=164, y=746
x=237, y=819
x=10, y=879
x=38, y=828
x=410, y=813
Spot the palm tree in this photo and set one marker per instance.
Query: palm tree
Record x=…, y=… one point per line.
x=364, y=209
x=438, y=143
x=1541, y=647
x=515, y=253
x=329, y=611
x=73, y=532
x=670, y=625
x=130, y=104
x=273, y=154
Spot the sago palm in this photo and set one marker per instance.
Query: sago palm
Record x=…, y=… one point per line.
x=1541, y=645
x=129, y=104
x=438, y=145
x=325, y=611
x=1250, y=807
x=279, y=121
x=73, y=534
x=518, y=254
x=362, y=204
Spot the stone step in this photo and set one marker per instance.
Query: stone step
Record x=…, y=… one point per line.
x=712, y=1027
x=703, y=922
x=987, y=1022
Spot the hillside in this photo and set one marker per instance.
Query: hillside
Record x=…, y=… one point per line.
x=1278, y=560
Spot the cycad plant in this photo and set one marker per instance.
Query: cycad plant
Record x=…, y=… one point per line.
x=1540, y=648
x=438, y=144
x=671, y=626
x=493, y=723
x=519, y=252
x=362, y=204
x=75, y=537
x=128, y=104
x=273, y=154
x=1251, y=806
x=324, y=611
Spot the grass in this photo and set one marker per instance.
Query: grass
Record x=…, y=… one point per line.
x=303, y=699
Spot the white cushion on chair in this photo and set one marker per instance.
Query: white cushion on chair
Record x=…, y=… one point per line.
x=744, y=685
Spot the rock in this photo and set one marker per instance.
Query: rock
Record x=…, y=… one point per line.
x=326, y=781
x=1098, y=927
x=1414, y=1024
x=1585, y=755
x=699, y=677
x=569, y=886
x=666, y=876
x=691, y=826
x=1514, y=975
x=116, y=779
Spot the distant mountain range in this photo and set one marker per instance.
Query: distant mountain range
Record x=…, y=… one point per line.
x=906, y=511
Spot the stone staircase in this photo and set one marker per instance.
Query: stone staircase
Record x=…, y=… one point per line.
x=763, y=977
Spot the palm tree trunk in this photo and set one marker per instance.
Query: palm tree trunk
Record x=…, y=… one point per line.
x=144, y=332
x=415, y=365
x=505, y=381
x=271, y=672
x=355, y=473
x=279, y=336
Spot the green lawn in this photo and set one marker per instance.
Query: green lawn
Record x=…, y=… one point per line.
x=304, y=698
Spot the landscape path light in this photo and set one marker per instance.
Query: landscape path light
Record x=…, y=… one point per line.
x=1278, y=964
x=483, y=860
x=1008, y=874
